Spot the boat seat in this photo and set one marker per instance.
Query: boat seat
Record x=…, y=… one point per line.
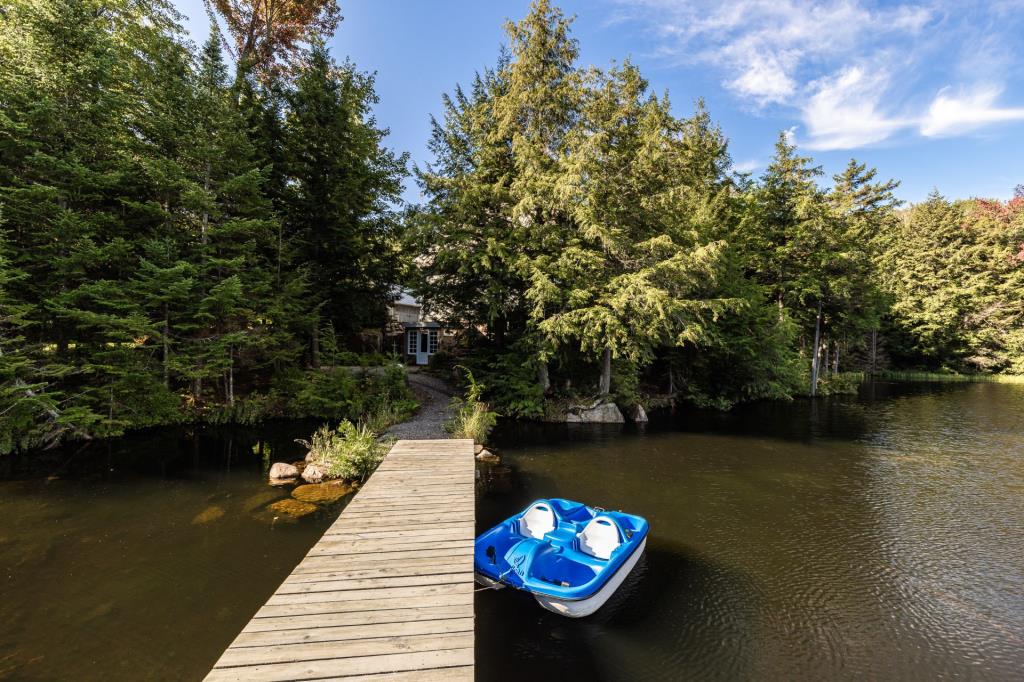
x=538, y=520
x=599, y=538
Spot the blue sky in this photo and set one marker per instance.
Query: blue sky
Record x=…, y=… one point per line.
x=931, y=93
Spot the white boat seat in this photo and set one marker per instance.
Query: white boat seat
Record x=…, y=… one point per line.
x=599, y=538
x=537, y=521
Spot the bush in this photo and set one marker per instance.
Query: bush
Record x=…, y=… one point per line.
x=471, y=417
x=350, y=452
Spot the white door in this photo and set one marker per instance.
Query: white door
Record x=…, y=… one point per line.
x=423, y=348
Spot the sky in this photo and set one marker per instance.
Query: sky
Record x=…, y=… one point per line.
x=930, y=93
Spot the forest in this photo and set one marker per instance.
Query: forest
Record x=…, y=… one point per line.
x=203, y=233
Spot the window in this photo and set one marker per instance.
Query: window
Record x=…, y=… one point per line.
x=411, y=346
x=433, y=340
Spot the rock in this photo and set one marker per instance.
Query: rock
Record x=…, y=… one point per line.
x=254, y=502
x=608, y=413
x=300, y=465
x=310, y=456
x=282, y=470
x=211, y=513
x=314, y=473
x=293, y=508
x=478, y=448
x=321, y=493
x=488, y=457
x=639, y=414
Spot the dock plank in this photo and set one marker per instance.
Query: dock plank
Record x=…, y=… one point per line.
x=387, y=592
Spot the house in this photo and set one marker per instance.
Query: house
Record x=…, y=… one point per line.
x=411, y=333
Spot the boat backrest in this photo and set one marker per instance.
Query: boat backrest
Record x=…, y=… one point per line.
x=537, y=520
x=599, y=538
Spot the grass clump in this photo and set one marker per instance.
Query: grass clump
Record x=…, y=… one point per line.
x=350, y=451
x=471, y=417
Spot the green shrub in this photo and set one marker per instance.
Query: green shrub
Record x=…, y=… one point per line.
x=350, y=452
x=471, y=418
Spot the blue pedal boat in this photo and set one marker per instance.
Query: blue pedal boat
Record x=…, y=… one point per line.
x=571, y=557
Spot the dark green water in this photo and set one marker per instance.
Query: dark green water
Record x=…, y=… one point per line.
x=145, y=556
x=873, y=538
x=877, y=538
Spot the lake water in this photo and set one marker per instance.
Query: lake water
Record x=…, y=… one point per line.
x=880, y=537
x=872, y=538
x=142, y=558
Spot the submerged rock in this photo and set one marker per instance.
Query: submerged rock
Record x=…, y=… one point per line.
x=487, y=457
x=314, y=473
x=211, y=513
x=294, y=508
x=321, y=493
x=282, y=471
x=254, y=502
x=639, y=414
x=607, y=413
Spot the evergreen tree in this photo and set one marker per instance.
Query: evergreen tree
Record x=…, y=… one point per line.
x=342, y=184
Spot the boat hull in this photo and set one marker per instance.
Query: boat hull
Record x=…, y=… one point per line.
x=578, y=608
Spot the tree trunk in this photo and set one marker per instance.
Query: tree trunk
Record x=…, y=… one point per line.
x=231, y=375
x=605, y=385
x=542, y=377
x=874, y=351
x=500, y=325
x=816, y=360
x=314, y=345
x=167, y=348
x=835, y=366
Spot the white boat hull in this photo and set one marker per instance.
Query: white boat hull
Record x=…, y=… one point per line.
x=578, y=608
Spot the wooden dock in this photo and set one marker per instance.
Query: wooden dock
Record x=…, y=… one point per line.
x=387, y=592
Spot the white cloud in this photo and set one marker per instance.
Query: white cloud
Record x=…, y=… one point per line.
x=957, y=114
x=764, y=45
x=747, y=166
x=844, y=111
x=855, y=72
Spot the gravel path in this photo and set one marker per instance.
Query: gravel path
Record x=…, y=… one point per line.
x=428, y=422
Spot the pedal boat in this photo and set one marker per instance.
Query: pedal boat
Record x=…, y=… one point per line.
x=569, y=556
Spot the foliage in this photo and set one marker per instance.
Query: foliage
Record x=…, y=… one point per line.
x=351, y=452
x=471, y=417
x=160, y=256
x=268, y=36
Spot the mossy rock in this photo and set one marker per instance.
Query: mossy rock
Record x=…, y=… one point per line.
x=211, y=513
x=321, y=493
x=295, y=508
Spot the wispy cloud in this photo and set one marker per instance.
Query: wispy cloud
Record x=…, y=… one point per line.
x=854, y=72
x=957, y=114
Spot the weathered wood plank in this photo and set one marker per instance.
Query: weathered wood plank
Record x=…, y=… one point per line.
x=387, y=592
x=328, y=668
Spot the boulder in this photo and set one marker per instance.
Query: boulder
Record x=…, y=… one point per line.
x=314, y=473
x=607, y=413
x=639, y=414
x=282, y=470
x=478, y=448
x=310, y=456
x=321, y=493
x=294, y=508
x=300, y=465
x=487, y=457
